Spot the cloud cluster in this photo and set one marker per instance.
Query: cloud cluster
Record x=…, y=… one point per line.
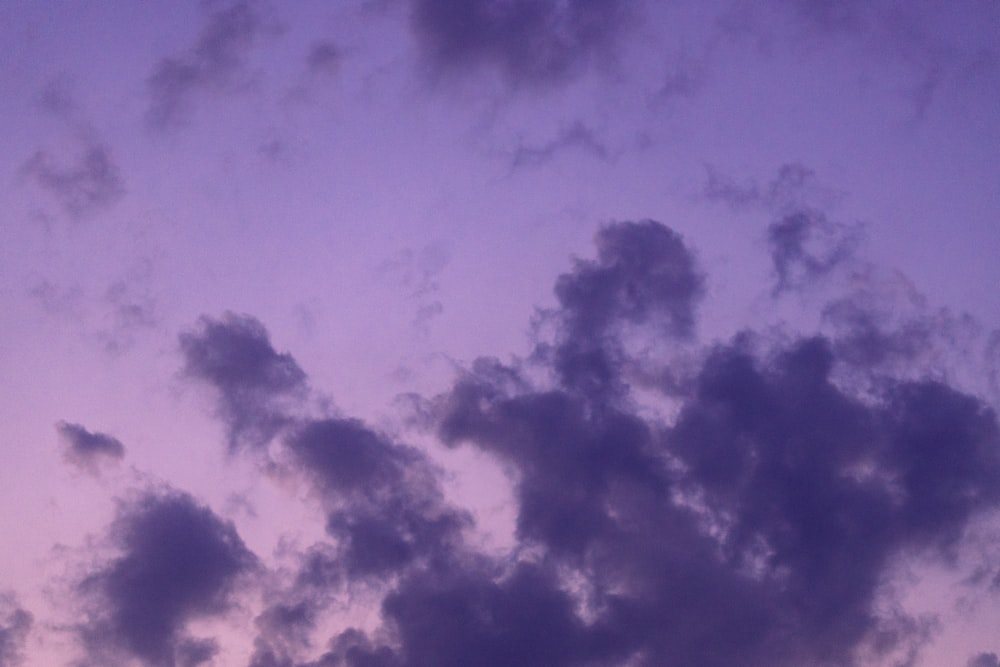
x=760, y=518
x=761, y=525
x=529, y=42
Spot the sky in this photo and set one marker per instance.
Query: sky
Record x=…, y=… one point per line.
x=562, y=333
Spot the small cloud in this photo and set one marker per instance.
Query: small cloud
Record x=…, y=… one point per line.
x=577, y=137
x=212, y=64
x=57, y=97
x=806, y=246
x=88, y=450
x=984, y=660
x=91, y=184
x=325, y=58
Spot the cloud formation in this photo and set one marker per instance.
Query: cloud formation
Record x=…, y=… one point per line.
x=178, y=562
x=529, y=42
x=212, y=64
x=88, y=450
x=762, y=524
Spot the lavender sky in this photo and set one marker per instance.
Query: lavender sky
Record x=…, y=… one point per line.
x=548, y=333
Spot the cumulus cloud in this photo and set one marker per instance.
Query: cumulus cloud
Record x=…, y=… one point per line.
x=529, y=42
x=15, y=623
x=761, y=523
x=254, y=383
x=212, y=64
x=88, y=450
x=178, y=562
x=644, y=276
x=89, y=185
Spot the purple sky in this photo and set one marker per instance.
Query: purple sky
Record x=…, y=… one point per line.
x=562, y=333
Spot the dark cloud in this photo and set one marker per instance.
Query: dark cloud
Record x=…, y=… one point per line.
x=759, y=519
x=529, y=42
x=15, y=623
x=178, y=562
x=88, y=450
x=234, y=355
x=577, y=136
x=759, y=527
x=88, y=186
x=213, y=63
x=644, y=275
x=386, y=515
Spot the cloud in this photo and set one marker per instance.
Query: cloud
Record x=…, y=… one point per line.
x=760, y=526
x=254, y=383
x=806, y=246
x=984, y=660
x=644, y=275
x=576, y=136
x=760, y=519
x=90, y=185
x=386, y=514
x=178, y=562
x=89, y=450
x=529, y=42
x=212, y=64
x=15, y=623
x=793, y=188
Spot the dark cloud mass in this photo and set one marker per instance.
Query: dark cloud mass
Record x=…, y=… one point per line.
x=178, y=562
x=233, y=354
x=762, y=524
x=15, y=623
x=212, y=64
x=530, y=42
x=88, y=450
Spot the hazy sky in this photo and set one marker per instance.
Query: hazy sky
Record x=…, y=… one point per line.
x=548, y=333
